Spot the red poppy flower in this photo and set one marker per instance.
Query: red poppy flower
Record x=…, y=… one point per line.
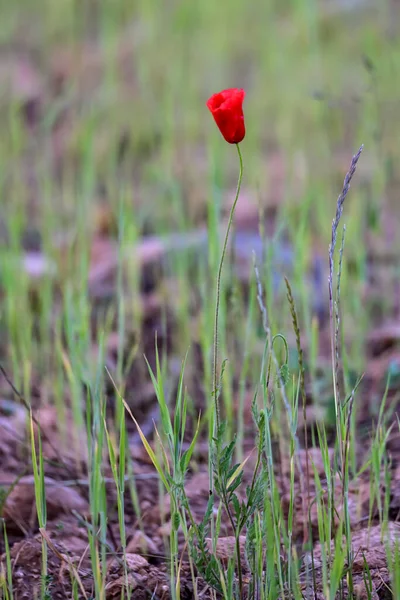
x=227, y=110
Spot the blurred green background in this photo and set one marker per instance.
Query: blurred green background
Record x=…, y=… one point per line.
x=115, y=188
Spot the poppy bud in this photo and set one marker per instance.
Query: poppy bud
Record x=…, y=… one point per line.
x=227, y=109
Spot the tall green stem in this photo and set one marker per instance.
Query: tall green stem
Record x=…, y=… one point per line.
x=218, y=292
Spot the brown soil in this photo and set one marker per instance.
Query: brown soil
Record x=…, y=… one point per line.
x=66, y=483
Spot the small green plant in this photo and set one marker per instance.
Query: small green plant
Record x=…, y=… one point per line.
x=41, y=507
x=6, y=583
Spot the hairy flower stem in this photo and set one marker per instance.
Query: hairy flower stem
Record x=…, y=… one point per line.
x=218, y=293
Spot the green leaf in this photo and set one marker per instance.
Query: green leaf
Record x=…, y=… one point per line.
x=187, y=455
x=176, y=521
x=235, y=484
x=236, y=506
x=283, y=376
x=149, y=450
x=159, y=389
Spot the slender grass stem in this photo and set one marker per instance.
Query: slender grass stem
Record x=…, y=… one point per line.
x=218, y=292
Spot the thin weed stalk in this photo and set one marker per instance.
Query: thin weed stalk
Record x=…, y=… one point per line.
x=218, y=293
x=40, y=499
x=97, y=529
x=343, y=412
x=117, y=463
x=291, y=416
x=296, y=329
x=245, y=372
x=6, y=576
x=332, y=247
